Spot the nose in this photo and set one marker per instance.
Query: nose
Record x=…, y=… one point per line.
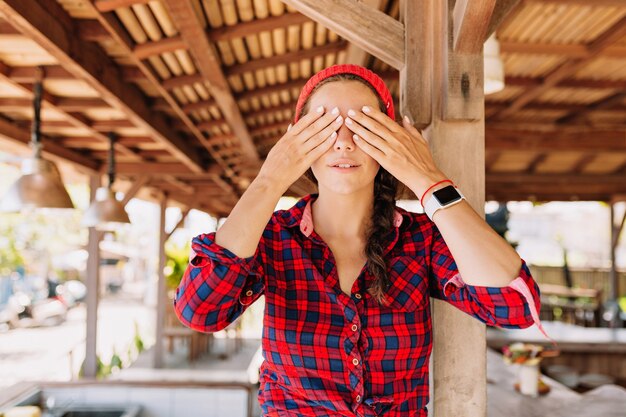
x=344, y=140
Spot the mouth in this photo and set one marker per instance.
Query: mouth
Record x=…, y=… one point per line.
x=344, y=166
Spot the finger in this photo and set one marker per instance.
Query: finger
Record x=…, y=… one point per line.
x=321, y=136
x=289, y=127
x=381, y=117
x=307, y=119
x=368, y=148
x=321, y=149
x=406, y=122
x=369, y=123
x=370, y=137
x=332, y=118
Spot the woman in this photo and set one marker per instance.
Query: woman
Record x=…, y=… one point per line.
x=346, y=275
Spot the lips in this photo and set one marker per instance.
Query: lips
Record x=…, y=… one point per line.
x=344, y=163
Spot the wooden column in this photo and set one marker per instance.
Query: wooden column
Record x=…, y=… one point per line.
x=612, y=304
x=93, y=284
x=457, y=142
x=161, y=290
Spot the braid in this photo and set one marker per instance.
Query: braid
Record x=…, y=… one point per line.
x=385, y=191
x=385, y=188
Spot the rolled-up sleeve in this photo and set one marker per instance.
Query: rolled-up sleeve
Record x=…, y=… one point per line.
x=514, y=306
x=217, y=285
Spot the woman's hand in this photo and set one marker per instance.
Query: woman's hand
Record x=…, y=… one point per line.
x=302, y=144
x=401, y=150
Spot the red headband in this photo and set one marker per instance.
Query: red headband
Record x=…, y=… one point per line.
x=373, y=79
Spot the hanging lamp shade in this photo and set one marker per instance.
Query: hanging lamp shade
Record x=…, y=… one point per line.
x=494, y=68
x=40, y=185
x=106, y=212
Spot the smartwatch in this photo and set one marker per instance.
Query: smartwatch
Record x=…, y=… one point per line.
x=443, y=198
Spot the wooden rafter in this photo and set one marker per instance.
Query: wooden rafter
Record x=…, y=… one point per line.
x=115, y=30
x=567, y=69
x=571, y=50
x=471, y=21
x=207, y=62
x=509, y=140
x=241, y=29
x=73, y=116
x=15, y=135
x=286, y=58
x=372, y=30
x=51, y=27
x=110, y=5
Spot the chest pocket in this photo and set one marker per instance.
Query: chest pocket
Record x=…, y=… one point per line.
x=409, y=284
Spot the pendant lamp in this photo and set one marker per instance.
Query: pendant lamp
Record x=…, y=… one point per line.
x=494, y=68
x=40, y=185
x=106, y=212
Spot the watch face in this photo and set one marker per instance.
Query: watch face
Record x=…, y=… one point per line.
x=447, y=195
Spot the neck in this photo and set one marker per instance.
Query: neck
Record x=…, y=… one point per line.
x=347, y=216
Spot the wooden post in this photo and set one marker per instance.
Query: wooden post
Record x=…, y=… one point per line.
x=93, y=284
x=457, y=142
x=161, y=290
x=612, y=304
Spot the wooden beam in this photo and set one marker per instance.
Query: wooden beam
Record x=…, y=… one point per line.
x=553, y=142
x=286, y=58
x=148, y=49
x=180, y=223
x=74, y=118
x=471, y=21
x=568, y=68
x=119, y=34
x=192, y=32
x=535, y=179
x=267, y=90
x=12, y=133
x=456, y=140
x=158, y=360
x=570, y=50
x=596, y=3
x=416, y=85
x=138, y=184
x=255, y=26
x=372, y=30
x=93, y=290
x=110, y=5
x=354, y=54
x=48, y=24
x=504, y=10
x=616, y=99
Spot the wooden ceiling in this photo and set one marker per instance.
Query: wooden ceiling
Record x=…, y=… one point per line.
x=198, y=91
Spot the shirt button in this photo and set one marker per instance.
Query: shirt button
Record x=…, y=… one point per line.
x=358, y=398
x=354, y=327
x=249, y=293
x=355, y=361
x=357, y=296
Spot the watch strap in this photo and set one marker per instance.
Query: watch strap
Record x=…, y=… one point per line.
x=432, y=205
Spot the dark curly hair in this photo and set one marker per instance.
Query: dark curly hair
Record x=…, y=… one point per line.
x=385, y=192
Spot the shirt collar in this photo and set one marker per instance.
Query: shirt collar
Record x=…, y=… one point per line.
x=301, y=214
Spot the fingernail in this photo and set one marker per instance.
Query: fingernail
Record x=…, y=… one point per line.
x=335, y=110
x=366, y=109
x=351, y=112
x=288, y=127
x=334, y=135
x=348, y=121
x=355, y=137
x=320, y=109
x=406, y=119
x=338, y=119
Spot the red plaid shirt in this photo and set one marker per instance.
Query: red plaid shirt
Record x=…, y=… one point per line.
x=329, y=353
